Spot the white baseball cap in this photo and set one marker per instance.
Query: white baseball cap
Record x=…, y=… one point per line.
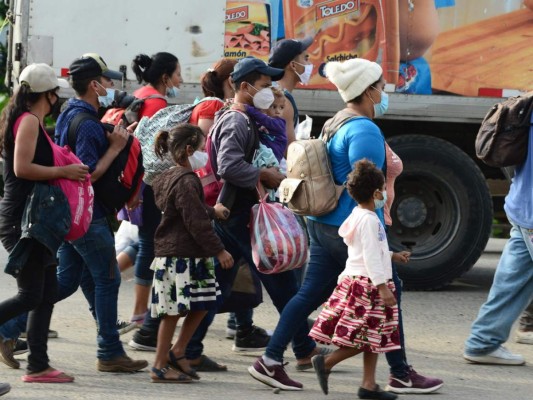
x=41, y=78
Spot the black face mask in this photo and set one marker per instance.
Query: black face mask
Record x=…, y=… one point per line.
x=54, y=108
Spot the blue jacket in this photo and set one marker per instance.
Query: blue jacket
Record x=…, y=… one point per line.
x=46, y=219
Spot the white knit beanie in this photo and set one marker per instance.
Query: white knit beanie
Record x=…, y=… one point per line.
x=352, y=77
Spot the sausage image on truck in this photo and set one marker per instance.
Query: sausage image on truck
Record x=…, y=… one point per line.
x=446, y=62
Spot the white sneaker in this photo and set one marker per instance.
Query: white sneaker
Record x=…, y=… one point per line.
x=524, y=337
x=500, y=356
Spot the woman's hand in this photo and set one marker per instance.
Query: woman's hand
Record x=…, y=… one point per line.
x=386, y=295
x=225, y=259
x=75, y=172
x=221, y=212
x=402, y=257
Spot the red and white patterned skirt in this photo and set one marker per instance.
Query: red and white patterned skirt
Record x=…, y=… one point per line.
x=355, y=316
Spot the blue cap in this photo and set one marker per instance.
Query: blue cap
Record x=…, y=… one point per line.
x=251, y=64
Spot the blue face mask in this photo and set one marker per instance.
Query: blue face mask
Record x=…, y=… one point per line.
x=172, y=92
x=108, y=99
x=380, y=203
x=381, y=108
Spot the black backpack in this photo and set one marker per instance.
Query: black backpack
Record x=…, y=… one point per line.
x=502, y=140
x=123, y=178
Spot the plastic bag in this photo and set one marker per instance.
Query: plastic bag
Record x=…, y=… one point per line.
x=279, y=243
x=304, y=128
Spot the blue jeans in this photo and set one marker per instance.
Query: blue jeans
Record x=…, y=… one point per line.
x=12, y=329
x=510, y=294
x=151, y=218
x=235, y=235
x=93, y=258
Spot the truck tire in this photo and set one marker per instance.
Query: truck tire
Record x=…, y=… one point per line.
x=442, y=211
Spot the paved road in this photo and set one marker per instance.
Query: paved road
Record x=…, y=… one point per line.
x=436, y=326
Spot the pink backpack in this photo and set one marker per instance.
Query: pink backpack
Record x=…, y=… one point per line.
x=80, y=195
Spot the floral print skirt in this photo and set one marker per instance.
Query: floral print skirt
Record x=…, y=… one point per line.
x=183, y=284
x=355, y=316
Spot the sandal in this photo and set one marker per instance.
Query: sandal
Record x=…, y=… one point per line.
x=322, y=373
x=208, y=365
x=53, y=376
x=174, y=363
x=161, y=376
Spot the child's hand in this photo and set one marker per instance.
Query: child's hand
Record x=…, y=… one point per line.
x=221, y=212
x=386, y=295
x=402, y=257
x=225, y=259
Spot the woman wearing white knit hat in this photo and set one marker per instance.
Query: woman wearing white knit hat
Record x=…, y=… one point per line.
x=361, y=85
x=353, y=136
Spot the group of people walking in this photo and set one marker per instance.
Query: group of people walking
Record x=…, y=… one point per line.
x=189, y=251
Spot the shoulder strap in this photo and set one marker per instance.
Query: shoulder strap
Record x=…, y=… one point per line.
x=155, y=96
x=74, y=125
x=249, y=155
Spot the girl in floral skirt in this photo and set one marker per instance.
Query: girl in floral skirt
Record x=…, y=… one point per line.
x=361, y=315
x=184, y=282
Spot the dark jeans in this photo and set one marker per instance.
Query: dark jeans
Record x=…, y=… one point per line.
x=91, y=262
x=235, y=235
x=37, y=290
x=328, y=255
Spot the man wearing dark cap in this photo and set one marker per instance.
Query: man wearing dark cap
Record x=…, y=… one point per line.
x=90, y=261
x=234, y=138
x=291, y=55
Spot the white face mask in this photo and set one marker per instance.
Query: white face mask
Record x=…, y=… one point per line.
x=263, y=99
x=108, y=99
x=306, y=75
x=198, y=160
x=380, y=203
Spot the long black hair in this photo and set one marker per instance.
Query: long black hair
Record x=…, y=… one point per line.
x=19, y=103
x=151, y=69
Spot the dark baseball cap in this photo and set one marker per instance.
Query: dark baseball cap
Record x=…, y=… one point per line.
x=91, y=65
x=287, y=50
x=248, y=65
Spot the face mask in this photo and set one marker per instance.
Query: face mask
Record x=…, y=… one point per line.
x=380, y=203
x=263, y=99
x=198, y=160
x=108, y=99
x=381, y=108
x=54, y=108
x=306, y=75
x=172, y=92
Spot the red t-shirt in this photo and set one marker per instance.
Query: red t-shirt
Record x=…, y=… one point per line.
x=205, y=110
x=150, y=106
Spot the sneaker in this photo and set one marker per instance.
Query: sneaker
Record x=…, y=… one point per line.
x=230, y=333
x=125, y=327
x=377, y=393
x=256, y=340
x=143, y=341
x=21, y=347
x=500, y=356
x=6, y=354
x=121, y=364
x=524, y=337
x=4, y=388
x=274, y=376
x=51, y=334
x=413, y=383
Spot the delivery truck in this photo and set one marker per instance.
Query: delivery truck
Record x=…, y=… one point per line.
x=447, y=62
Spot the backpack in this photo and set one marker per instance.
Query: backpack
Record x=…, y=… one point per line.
x=310, y=188
x=80, y=195
x=502, y=140
x=148, y=128
x=216, y=190
x=122, y=180
x=129, y=114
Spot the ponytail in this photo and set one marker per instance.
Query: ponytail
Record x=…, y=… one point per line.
x=161, y=144
x=151, y=69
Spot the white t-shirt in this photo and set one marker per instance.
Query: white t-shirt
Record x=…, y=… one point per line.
x=368, y=249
